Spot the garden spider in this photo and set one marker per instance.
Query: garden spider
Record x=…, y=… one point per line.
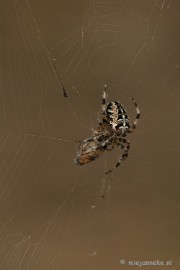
x=112, y=130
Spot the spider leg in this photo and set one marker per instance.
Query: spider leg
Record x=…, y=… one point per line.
x=104, y=99
x=104, y=95
x=136, y=119
x=125, y=141
x=86, y=140
x=110, y=140
x=124, y=155
x=102, y=126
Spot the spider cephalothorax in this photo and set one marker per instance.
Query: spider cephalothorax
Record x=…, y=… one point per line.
x=112, y=130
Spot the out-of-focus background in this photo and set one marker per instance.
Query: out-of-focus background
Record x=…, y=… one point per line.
x=53, y=213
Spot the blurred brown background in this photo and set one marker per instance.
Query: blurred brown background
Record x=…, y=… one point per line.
x=54, y=214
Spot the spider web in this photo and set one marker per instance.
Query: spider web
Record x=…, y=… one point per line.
x=54, y=214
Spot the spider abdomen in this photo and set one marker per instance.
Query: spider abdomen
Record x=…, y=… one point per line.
x=117, y=116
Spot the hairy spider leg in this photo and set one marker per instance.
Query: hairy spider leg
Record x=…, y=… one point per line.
x=124, y=155
x=136, y=119
x=106, y=143
x=103, y=123
x=104, y=99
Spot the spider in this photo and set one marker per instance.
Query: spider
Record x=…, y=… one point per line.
x=111, y=132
